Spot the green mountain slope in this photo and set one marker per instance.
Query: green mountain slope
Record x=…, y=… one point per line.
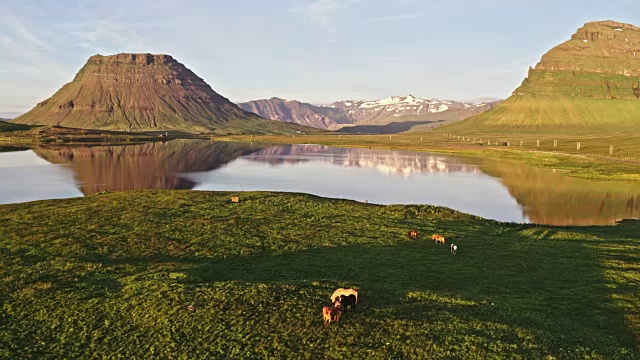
x=590, y=83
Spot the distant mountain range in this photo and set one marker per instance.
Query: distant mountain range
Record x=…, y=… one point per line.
x=297, y=112
x=590, y=83
x=368, y=116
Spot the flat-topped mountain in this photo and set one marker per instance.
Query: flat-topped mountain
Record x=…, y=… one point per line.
x=588, y=83
x=142, y=92
x=355, y=113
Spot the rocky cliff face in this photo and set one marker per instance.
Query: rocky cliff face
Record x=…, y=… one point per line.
x=139, y=92
x=601, y=60
x=298, y=112
x=589, y=83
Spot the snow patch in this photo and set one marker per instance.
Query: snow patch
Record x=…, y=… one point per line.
x=440, y=108
x=420, y=108
x=585, y=40
x=394, y=100
x=617, y=29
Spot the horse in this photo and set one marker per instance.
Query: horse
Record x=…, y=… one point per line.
x=440, y=239
x=454, y=248
x=413, y=234
x=348, y=301
x=337, y=310
x=341, y=291
x=326, y=315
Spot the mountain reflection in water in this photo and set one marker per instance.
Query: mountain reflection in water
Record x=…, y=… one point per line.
x=400, y=163
x=143, y=166
x=493, y=189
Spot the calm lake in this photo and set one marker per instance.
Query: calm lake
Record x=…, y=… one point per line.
x=492, y=189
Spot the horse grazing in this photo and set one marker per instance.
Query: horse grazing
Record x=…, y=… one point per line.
x=434, y=236
x=326, y=315
x=337, y=310
x=454, y=248
x=235, y=199
x=413, y=234
x=348, y=301
x=341, y=291
x=439, y=239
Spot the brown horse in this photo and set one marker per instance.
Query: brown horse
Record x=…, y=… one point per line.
x=440, y=239
x=413, y=234
x=326, y=315
x=337, y=310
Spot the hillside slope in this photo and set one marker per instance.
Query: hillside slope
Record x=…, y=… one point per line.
x=590, y=83
x=142, y=92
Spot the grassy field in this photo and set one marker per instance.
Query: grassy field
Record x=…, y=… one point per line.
x=556, y=115
x=112, y=275
x=592, y=161
x=10, y=127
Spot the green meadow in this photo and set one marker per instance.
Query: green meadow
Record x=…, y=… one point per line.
x=112, y=276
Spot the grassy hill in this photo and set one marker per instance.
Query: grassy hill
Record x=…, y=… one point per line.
x=114, y=275
x=589, y=84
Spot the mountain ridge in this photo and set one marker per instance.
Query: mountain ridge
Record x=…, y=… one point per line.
x=354, y=113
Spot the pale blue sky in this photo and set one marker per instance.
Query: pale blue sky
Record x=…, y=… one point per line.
x=311, y=50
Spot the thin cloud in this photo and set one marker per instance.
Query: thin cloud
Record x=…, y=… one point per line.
x=21, y=31
x=26, y=51
x=321, y=13
x=391, y=18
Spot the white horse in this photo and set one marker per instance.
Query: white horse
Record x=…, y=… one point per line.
x=346, y=292
x=454, y=248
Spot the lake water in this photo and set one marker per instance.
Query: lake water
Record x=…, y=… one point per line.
x=493, y=189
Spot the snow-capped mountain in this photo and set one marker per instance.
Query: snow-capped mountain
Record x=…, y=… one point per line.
x=353, y=113
x=396, y=106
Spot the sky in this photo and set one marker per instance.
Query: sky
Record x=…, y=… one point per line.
x=316, y=51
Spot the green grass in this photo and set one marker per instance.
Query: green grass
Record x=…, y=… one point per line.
x=9, y=127
x=111, y=275
x=555, y=115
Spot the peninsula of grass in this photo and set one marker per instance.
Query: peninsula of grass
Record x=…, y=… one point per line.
x=592, y=161
x=187, y=274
